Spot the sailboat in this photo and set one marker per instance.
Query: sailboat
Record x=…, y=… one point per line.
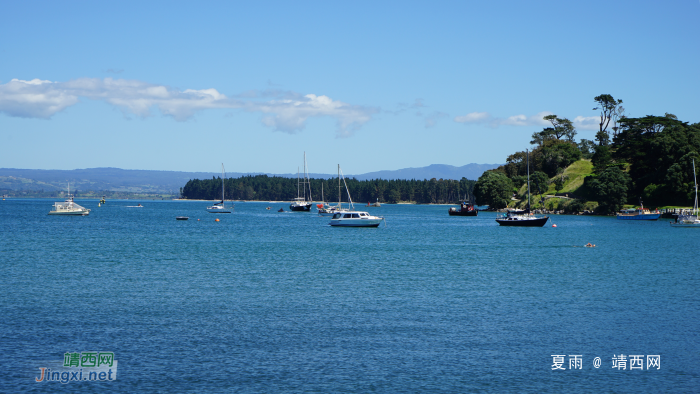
x=329, y=210
x=528, y=219
x=300, y=204
x=219, y=206
x=68, y=207
x=324, y=209
x=690, y=220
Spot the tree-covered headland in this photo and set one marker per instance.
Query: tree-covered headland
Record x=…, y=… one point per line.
x=266, y=188
x=631, y=158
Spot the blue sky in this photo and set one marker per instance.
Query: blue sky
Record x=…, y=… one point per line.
x=372, y=86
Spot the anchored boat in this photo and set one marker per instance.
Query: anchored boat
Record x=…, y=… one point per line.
x=219, y=207
x=527, y=219
x=300, y=204
x=640, y=213
x=69, y=207
x=466, y=209
x=352, y=218
x=690, y=221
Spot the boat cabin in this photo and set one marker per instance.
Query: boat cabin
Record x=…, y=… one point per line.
x=351, y=215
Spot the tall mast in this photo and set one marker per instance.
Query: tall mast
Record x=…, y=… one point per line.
x=528, y=180
x=222, y=184
x=306, y=181
x=297, y=182
x=340, y=204
x=695, y=179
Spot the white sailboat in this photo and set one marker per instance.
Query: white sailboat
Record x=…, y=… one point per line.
x=692, y=219
x=219, y=207
x=330, y=210
x=301, y=204
x=69, y=207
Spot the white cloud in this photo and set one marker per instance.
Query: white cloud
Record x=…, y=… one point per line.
x=515, y=120
x=587, y=122
x=285, y=111
x=473, y=117
x=33, y=99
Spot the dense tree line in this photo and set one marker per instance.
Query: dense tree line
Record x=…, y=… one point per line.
x=265, y=188
x=649, y=158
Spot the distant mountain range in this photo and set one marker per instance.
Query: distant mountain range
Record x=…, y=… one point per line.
x=148, y=181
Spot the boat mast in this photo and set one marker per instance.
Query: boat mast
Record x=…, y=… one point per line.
x=340, y=204
x=307, y=181
x=695, y=179
x=352, y=206
x=222, y=184
x=297, y=182
x=528, y=180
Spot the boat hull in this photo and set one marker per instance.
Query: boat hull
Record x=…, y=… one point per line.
x=356, y=223
x=218, y=211
x=461, y=213
x=513, y=222
x=300, y=208
x=651, y=216
x=74, y=213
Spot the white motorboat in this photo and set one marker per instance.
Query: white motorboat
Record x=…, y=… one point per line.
x=219, y=207
x=355, y=219
x=69, y=207
x=692, y=220
x=301, y=203
x=352, y=218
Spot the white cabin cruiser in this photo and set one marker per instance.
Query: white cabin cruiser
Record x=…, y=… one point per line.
x=349, y=217
x=355, y=219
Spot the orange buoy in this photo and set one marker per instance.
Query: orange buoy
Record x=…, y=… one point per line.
x=216, y=220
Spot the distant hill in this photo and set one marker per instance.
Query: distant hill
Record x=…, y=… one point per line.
x=148, y=181
x=470, y=171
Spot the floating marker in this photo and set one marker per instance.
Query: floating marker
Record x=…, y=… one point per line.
x=554, y=225
x=216, y=220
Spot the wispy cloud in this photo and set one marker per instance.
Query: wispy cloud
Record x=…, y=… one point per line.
x=581, y=122
x=115, y=71
x=515, y=120
x=432, y=119
x=283, y=110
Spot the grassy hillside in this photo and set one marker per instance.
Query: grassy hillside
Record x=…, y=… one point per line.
x=573, y=177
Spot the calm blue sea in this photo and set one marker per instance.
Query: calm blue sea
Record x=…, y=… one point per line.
x=268, y=302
